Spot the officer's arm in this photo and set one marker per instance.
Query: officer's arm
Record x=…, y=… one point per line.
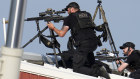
x=61, y=32
x=122, y=67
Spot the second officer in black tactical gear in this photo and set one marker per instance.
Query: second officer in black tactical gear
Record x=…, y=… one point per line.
x=82, y=31
x=133, y=60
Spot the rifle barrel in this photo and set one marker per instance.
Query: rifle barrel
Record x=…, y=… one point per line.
x=46, y=18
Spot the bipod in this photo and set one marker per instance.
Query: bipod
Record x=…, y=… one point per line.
x=54, y=41
x=37, y=35
x=109, y=36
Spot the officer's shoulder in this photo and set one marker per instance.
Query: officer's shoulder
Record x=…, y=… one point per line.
x=137, y=52
x=84, y=12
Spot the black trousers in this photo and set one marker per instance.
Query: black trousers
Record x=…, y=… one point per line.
x=83, y=58
x=135, y=75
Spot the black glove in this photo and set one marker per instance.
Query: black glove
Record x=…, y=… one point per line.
x=99, y=28
x=104, y=34
x=99, y=41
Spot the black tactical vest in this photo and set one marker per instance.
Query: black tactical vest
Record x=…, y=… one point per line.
x=84, y=20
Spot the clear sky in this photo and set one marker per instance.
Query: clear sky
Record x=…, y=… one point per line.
x=123, y=17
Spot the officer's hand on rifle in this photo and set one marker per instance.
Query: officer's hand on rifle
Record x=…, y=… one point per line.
x=119, y=61
x=50, y=25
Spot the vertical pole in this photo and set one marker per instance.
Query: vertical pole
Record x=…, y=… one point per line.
x=11, y=52
x=4, y=29
x=15, y=25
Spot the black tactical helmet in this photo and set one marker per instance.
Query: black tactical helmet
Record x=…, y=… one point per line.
x=128, y=44
x=72, y=4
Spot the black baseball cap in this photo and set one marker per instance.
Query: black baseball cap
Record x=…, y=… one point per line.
x=72, y=4
x=128, y=44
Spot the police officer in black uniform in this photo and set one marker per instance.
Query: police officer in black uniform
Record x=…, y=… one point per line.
x=82, y=31
x=133, y=60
